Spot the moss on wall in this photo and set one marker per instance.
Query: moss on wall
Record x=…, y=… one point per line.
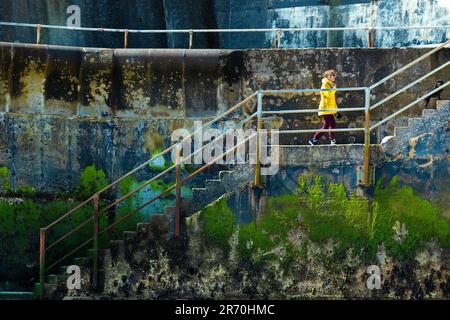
x=322, y=212
x=91, y=181
x=218, y=223
x=403, y=220
x=20, y=222
x=4, y=178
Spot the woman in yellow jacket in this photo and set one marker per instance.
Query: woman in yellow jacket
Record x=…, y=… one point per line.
x=327, y=101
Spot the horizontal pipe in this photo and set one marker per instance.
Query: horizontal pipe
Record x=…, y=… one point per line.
x=311, y=110
x=409, y=85
x=408, y=106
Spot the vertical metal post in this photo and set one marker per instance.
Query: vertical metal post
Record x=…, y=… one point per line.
x=178, y=193
x=95, y=241
x=366, y=135
x=279, y=38
x=125, y=38
x=191, y=36
x=42, y=263
x=370, y=38
x=258, y=135
x=38, y=34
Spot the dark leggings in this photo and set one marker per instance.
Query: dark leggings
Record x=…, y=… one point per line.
x=327, y=123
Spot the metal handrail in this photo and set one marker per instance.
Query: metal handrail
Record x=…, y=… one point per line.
x=129, y=215
x=409, y=105
x=191, y=32
x=311, y=110
x=173, y=166
x=409, y=65
x=95, y=197
x=409, y=85
x=309, y=90
x=112, y=184
x=259, y=115
x=322, y=130
x=98, y=29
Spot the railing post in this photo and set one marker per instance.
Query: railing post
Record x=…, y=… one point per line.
x=370, y=38
x=258, y=135
x=42, y=263
x=38, y=34
x=366, y=135
x=95, y=242
x=125, y=38
x=178, y=192
x=191, y=36
x=279, y=38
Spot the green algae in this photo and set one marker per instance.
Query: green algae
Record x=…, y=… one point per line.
x=218, y=223
x=91, y=181
x=4, y=172
x=404, y=221
x=397, y=217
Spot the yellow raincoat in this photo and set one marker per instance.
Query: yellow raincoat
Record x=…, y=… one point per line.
x=327, y=98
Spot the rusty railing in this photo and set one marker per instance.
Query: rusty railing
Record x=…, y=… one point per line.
x=179, y=181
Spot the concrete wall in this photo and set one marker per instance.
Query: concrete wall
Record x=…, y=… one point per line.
x=63, y=109
x=227, y=14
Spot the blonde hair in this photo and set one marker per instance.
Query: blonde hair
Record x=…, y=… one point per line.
x=328, y=73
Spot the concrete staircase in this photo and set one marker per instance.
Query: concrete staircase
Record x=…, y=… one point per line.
x=56, y=283
x=228, y=181
x=431, y=120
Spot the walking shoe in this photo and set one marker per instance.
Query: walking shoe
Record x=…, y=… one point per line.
x=333, y=142
x=313, y=141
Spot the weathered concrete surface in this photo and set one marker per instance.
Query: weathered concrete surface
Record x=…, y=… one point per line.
x=229, y=14
x=67, y=108
x=144, y=265
x=197, y=83
x=324, y=155
x=419, y=155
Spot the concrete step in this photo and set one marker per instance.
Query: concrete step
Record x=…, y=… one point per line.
x=52, y=279
x=82, y=261
x=49, y=288
x=441, y=103
x=198, y=190
x=400, y=131
x=77, y=298
x=200, y=198
x=169, y=211
x=117, y=249
x=17, y=295
x=414, y=121
x=62, y=270
x=128, y=236
x=242, y=174
x=214, y=186
x=428, y=112
x=224, y=173
x=143, y=228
